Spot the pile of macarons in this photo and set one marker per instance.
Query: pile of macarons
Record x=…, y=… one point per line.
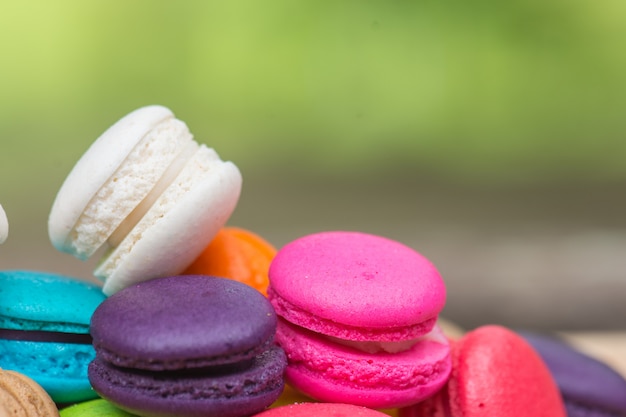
x=195, y=318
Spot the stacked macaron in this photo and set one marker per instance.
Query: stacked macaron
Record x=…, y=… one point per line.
x=44, y=330
x=357, y=319
x=149, y=194
x=187, y=346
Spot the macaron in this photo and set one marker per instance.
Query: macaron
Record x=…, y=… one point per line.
x=147, y=192
x=238, y=254
x=589, y=387
x=291, y=396
x=20, y=396
x=495, y=373
x=94, y=408
x=320, y=410
x=187, y=346
x=4, y=225
x=44, y=331
x=357, y=315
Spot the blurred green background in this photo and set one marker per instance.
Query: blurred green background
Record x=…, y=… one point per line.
x=489, y=135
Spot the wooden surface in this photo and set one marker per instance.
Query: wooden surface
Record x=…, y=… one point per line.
x=609, y=347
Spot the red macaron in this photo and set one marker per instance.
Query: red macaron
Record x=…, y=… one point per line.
x=495, y=373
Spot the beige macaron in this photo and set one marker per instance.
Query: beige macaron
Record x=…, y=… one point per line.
x=147, y=192
x=20, y=396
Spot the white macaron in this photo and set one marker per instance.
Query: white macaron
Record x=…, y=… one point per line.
x=4, y=226
x=147, y=192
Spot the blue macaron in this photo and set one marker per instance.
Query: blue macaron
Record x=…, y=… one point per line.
x=44, y=331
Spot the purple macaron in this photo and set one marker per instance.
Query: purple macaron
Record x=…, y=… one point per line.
x=590, y=388
x=187, y=346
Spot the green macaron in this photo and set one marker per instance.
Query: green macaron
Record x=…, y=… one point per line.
x=94, y=408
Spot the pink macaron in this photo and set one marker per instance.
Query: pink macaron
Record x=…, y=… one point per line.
x=357, y=315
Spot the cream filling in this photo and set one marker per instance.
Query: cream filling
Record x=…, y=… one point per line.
x=371, y=346
x=203, y=161
x=159, y=188
x=129, y=186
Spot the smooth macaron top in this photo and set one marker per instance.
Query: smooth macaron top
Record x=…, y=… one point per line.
x=587, y=384
x=356, y=286
x=31, y=300
x=186, y=321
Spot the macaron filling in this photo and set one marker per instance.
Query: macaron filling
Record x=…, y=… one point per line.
x=376, y=346
x=204, y=176
x=153, y=363
x=169, y=175
x=133, y=181
x=44, y=336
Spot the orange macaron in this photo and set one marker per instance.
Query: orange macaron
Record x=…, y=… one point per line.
x=237, y=254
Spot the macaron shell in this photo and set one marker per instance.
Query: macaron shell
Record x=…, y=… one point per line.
x=320, y=410
x=60, y=368
x=330, y=372
x=20, y=396
x=4, y=226
x=94, y=408
x=495, y=373
x=175, y=231
x=589, y=387
x=96, y=166
x=199, y=394
x=32, y=300
x=291, y=396
x=187, y=321
x=356, y=286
